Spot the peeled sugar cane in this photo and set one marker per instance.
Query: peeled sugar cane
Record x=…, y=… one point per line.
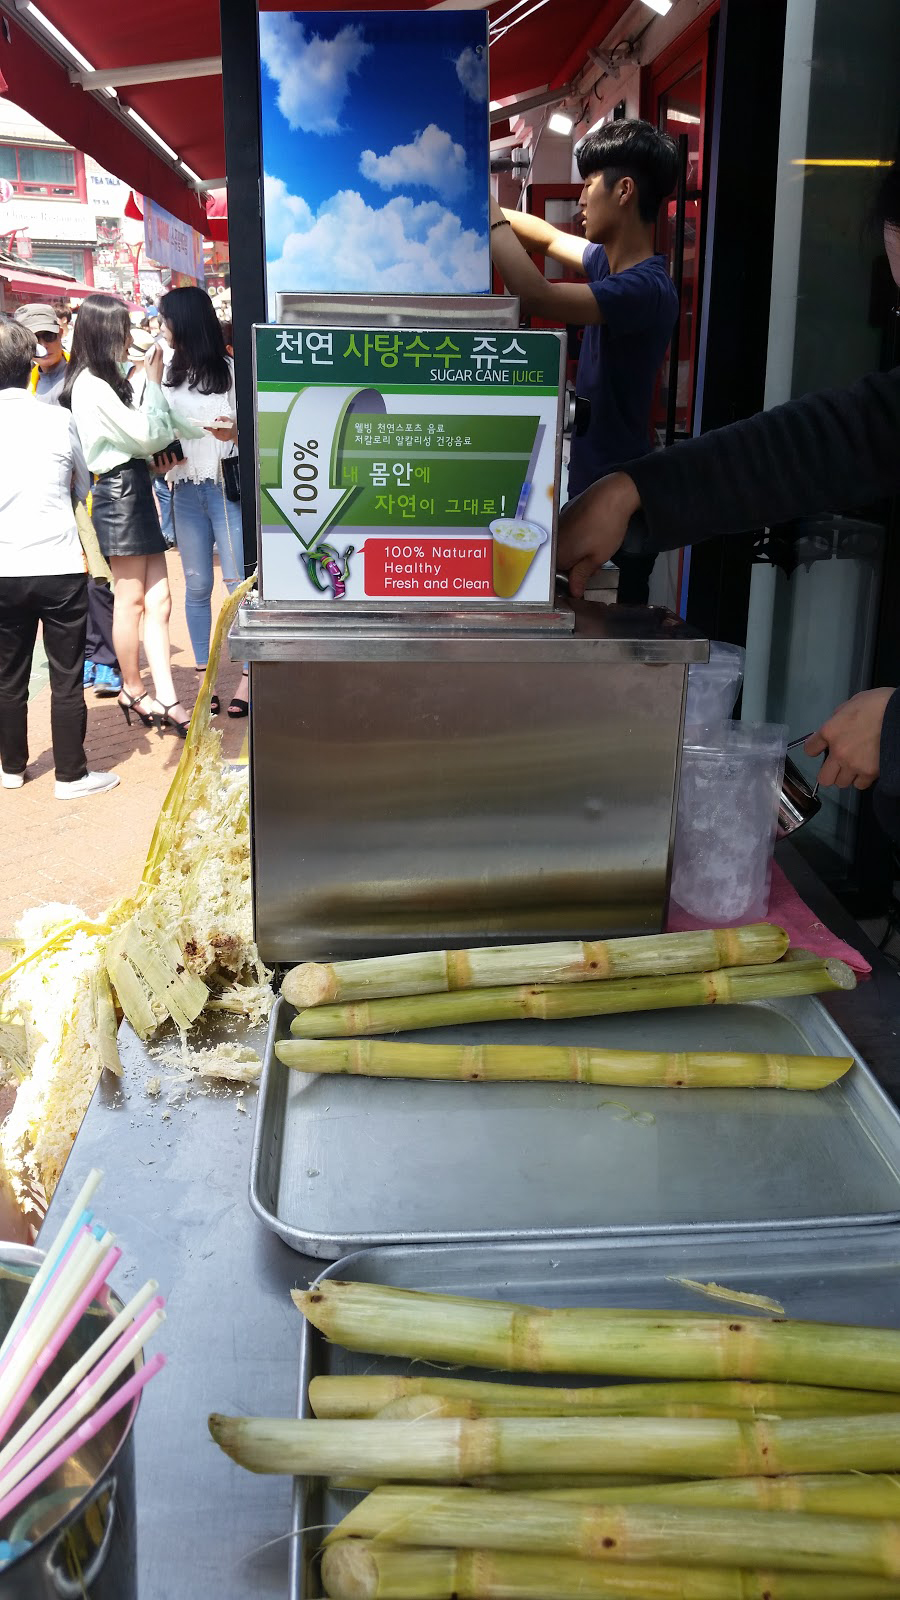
x=473, y=1519
x=369, y=1395
x=456, y=1450
x=572, y=961
x=556, y=1063
x=357, y=1569
x=640, y=1344
x=730, y=986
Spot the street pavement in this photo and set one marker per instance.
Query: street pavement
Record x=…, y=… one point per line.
x=89, y=852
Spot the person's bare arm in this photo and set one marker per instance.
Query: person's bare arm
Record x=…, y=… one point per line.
x=539, y=235
x=556, y=302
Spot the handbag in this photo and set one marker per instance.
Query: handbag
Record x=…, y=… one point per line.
x=93, y=555
x=231, y=477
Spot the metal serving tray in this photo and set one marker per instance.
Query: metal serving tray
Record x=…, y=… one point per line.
x=344, y=1162
x=832, y=1275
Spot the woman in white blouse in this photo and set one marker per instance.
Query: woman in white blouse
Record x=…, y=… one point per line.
x=199, y=380
x=117, y=442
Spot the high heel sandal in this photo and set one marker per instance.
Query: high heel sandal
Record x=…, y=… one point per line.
x=131, y=702
x=181, y=728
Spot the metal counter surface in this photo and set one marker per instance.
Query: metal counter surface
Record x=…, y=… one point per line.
x=175, y=1192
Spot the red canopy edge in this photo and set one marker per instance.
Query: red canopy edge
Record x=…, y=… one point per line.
x=37, y=82
x=217, y=214
x=58, y=288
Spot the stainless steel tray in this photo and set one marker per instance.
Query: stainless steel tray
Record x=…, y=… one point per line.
x=344, y=1162
x=831, y=1275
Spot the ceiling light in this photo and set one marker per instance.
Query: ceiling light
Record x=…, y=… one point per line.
x=662, y=6
x=66, y=44
x=833, y=161
x=190, y=172
x=560, y=123
x=152, y=134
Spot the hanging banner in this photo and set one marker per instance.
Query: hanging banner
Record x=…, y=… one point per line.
x=171, y=243
x=404, y=466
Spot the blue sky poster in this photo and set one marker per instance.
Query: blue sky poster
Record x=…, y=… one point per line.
x=375, y=151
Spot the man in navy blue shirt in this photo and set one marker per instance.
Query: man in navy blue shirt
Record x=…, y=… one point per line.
x=628, y=306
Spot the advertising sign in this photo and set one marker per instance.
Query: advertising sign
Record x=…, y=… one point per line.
x=375, y=144
x=53, y=220
x=413, y=465
x=171, y=243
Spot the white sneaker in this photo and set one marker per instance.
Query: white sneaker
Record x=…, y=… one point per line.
x=12, y=780
x=91, y=783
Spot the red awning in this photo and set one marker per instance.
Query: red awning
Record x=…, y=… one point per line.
x=40, y=84
x=48, y=288
x=548, y=45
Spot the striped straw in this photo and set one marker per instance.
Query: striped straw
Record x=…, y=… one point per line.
x=82, y=1435
x=85, y=1398
x=73, y=1377
x=55, y=1343
x=71, y=1224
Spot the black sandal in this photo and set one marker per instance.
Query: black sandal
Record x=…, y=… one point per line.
x=166, y=721
x=238, y=707
x=132, y=702
x=214, y=707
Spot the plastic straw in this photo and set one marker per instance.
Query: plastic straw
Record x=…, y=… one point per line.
x=27, y=1313
x=73, y=1377
x=523, y=500
x=82, y=1435
x=65, y=1290
x=85, y=1398
x=46, y=1309
x=57, y=1339
x=70, y=1226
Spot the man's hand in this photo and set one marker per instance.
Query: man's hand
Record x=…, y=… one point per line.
x=592, y=528
x=852, y=739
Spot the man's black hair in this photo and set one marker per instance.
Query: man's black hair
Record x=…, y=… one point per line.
x=17, y=347
x=633, y=150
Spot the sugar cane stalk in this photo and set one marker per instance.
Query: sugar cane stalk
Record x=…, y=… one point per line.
x=730, y=986
x=356, y=1569
x=472, y=1519
x=367, y=1396
x=854, y=1494
x=571, y=961
x=556, y=1063
x=359, y=1570
x=640, y=1344
x=451, y=1450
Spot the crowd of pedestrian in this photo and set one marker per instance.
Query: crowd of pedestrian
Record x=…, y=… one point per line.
x=114, y=426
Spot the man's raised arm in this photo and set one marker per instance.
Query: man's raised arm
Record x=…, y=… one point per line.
x=539, y=236
x=556, y=302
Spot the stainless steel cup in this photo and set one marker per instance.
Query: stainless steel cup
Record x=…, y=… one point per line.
x=799, y=801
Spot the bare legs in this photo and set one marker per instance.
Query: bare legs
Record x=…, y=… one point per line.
x=142, y=594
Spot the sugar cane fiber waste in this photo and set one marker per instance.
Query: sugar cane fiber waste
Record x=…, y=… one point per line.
x=182, y=944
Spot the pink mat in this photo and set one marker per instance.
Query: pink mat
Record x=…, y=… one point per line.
x=793, y=914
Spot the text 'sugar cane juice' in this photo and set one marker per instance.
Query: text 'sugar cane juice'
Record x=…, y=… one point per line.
x=516, y=543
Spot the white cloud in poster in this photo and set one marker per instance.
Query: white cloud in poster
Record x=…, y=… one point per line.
x=399, y=248
x=285, y=212
x=312, y=74
x=472, y=72
x=433, y=161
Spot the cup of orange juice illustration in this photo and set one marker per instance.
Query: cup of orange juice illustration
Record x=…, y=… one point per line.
x=516, y=543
